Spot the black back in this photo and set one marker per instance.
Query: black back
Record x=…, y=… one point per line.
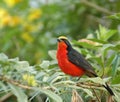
x=76, y=58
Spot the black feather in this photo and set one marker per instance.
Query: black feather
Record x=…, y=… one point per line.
x=76, y=58
x=108, y=89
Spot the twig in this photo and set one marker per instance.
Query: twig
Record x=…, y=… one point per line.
x=5, y=97
x=96, y=95
x=80, y=84
x=93, y=5
x=110, y=99
x=76, y=97
x=89, y=85
x=15, y=83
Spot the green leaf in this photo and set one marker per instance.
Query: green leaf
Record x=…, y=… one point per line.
x=115, y=16
x=54, y=77
x=96, y=80
x=52, y=95
x=3, y=87
x=106, y=46
x=98, y=41
x=45, y=64
x=117, y=94
x=21, y=65
x=14, y=59
x=104, y=34
x=97, y=60
x=116, y=79
x=109, y=34
x=110, y=60
x=105, y=49
x=66, y=97
x=52, y=54
x=19, y=93
x=83, y=89
x=87, y=43
x=88, y=92
x=115, y=64
x=111, y=48
x=40, y=74
x=3, y=57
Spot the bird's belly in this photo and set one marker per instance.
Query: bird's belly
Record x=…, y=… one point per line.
x=69, y=68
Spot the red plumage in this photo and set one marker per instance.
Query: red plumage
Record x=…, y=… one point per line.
x=65, y=65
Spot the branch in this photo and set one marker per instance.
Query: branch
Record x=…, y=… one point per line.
x=93, y=5
x=79, y=84
x=96, y=95
x=76, y=97
x=88, y=85
x=15, y=83
x=5, y=97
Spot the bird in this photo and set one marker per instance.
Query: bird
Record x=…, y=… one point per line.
x=73, y=63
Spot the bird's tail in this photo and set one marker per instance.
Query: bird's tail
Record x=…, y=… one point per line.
x=108, y=89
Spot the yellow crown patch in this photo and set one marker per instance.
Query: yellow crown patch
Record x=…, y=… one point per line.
x=62, y=37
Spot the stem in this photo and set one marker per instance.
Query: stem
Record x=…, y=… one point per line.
x=93, y=5
x=96, y=95
x=5, y=97
x=15, y=83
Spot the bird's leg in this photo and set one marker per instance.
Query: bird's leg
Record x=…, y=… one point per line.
x=78, y=78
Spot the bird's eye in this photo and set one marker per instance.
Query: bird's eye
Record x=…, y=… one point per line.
x=60, y=40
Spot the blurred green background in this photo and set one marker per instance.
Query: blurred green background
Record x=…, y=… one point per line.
x=29, y=28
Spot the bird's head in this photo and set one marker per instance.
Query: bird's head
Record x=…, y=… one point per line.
x=63, y=42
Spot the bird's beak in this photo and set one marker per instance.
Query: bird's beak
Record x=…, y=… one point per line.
x=58, y=40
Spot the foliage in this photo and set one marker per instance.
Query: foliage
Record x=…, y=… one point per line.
x=24, y=80
x=29, y=28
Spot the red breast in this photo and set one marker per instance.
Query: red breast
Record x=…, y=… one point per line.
x=65, y=65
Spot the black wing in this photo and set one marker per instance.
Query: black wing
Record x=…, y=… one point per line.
x=77, y=59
